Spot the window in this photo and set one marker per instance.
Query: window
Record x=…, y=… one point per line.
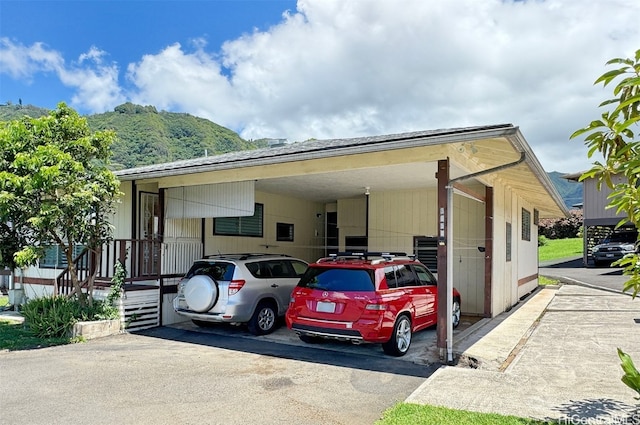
x=55, y=258
x=284, y=232
x=240, y=226
x=508, y=241
x=405, y=277
x=424, y=276
x=526, y=225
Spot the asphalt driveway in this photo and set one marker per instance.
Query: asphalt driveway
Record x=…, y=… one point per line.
x=573, y=271
x=177, y=376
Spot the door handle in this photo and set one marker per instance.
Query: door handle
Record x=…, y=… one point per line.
x=275, y=285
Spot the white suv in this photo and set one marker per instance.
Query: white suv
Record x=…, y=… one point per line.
x=239, y=288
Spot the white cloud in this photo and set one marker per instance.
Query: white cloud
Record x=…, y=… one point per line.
x=20, y=61
x=96, y=84
x=339, y=69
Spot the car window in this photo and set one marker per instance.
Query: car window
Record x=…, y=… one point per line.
x=338, y=279
x=259, y=269
x=405, y=277
x=299, y=267
x=424, y=275
x=220, y=271
x=390, y=276
x=280, y=268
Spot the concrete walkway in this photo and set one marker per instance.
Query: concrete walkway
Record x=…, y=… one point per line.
x=554, y=358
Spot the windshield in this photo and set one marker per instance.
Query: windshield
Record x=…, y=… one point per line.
x=338, y=279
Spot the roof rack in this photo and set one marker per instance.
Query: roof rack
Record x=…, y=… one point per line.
x=244, y=256
x=367, y=255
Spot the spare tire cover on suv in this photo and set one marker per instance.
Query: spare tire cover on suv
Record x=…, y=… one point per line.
x=201, y=293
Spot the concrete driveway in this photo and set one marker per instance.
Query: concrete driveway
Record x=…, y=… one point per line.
x=553, y=357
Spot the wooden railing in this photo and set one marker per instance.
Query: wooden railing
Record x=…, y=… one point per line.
x=84, y=264
x=142, y=258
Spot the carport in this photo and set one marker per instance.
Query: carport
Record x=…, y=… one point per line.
x=466, y=201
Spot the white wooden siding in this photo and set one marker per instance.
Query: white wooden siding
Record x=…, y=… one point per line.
x=306, y=217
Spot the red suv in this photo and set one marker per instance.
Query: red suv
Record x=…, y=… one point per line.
x=366, y=297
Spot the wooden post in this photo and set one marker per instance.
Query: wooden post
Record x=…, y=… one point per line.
x=443, y=180
x=488, y=250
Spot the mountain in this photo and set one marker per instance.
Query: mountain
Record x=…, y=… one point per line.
x=146, y=136
x=570, y=191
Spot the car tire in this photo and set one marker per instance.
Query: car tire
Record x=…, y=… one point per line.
x=201, y=293
x=308, y=339
x=455, y=312
x=264, y=319
x=400, y=340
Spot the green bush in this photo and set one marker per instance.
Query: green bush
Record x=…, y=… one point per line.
x=543, y=241
x=54, y=316
x=50, y=317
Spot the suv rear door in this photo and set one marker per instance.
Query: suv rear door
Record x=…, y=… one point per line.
x=280, y=277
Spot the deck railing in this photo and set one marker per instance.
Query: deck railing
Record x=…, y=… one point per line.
x=142, y=258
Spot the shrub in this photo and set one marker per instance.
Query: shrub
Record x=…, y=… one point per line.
x=50, y=317
x=543, y=241
x=54, y=316
x=562, y=228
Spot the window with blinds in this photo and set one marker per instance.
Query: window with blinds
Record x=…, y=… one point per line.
x=54, y=257
x=240, y=226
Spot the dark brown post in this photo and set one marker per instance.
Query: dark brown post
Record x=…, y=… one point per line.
x=443, y=180
x=488, y=250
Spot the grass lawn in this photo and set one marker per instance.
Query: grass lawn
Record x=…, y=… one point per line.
x=4, y=300
x=15, y=336
x=408, y=413
x=560, y=248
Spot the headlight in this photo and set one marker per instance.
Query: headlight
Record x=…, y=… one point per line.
x=596, y=248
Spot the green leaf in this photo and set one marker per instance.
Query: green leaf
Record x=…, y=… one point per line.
x=631, y=377
x=608, y=76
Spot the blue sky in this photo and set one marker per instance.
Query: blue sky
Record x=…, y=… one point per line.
x=326, y=68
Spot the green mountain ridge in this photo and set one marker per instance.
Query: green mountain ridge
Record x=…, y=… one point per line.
x=146, y=136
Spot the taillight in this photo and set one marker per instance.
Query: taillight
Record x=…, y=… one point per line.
x=235, y=286
x=376, y=307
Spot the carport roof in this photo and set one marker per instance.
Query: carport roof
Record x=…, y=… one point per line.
x=325, y=170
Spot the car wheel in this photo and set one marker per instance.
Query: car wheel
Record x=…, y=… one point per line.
x=308, y=339
x=201, y=293
x=263, y=320
x=455, y=311
x=400, y=340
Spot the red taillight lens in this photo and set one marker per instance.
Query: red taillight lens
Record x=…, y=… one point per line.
x=235, y=286
x=376, y=307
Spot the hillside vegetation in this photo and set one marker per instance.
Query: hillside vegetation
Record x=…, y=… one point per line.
x=146, y=136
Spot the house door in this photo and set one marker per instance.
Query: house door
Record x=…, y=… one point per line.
x=149, y=234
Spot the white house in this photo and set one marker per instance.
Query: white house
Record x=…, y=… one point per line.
x=466, y=201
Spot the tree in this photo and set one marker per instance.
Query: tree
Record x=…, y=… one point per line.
x=614, y=136
x=55, y=189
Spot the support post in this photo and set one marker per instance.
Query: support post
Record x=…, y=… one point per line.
x=443, y=181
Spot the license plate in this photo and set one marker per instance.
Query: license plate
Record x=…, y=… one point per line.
x=324, y=307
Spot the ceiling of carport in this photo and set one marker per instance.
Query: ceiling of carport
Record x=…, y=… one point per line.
x=330, y=186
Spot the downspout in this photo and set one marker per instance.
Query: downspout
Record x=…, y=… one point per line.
x=449, y=239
